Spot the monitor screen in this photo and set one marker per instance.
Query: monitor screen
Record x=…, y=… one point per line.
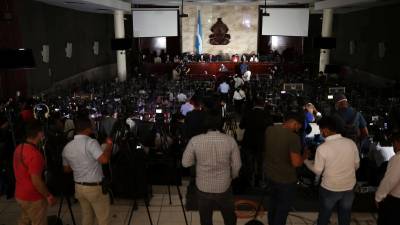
x=286, y=22
x=155, y=22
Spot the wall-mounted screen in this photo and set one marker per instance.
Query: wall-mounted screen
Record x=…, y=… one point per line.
x=286, y=22
x=155, y=22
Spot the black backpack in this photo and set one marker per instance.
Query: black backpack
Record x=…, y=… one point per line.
x=350, y=129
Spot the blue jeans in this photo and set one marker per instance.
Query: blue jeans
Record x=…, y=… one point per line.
x=329, y=199
x=282, y=198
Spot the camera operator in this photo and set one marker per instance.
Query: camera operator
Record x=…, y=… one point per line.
x=31, y=192
x=351, y=122
x=337, y=160
x=107, y=123
x=282, y=157
x=83, y=156
x=254, y=122
x=217, y=159
x=387, y=196
x=194, y=121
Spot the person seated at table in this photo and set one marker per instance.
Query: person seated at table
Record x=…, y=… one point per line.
x=177, y=59
x=223, y=68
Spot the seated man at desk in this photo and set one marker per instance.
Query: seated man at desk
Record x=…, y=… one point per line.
x=223, y=68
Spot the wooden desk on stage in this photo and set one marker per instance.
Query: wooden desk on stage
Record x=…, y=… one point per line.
x=211, y=68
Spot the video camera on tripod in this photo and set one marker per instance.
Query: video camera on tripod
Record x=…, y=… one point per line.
x=41, y=112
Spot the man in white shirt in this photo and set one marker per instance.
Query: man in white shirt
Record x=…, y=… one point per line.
x=239, y=96
x=83, y=157
x=238, y=81
x=181, y=97
x=387, y=196
x=337, y=159
x=247, y=76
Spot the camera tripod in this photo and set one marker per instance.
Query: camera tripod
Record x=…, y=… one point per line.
x=171, y=180
x=134, y=158
x=230, y=126
x=69, y=205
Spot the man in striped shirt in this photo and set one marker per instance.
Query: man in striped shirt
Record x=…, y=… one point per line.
x=217, y=160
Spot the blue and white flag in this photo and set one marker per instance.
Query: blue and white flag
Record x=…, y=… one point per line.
x=199, y=35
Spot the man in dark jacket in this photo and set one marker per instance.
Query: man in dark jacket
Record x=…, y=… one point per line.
x=254, y=122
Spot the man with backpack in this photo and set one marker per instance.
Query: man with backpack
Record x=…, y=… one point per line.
x=351, y=123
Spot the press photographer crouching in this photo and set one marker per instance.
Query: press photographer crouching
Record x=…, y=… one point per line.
x=83, y=157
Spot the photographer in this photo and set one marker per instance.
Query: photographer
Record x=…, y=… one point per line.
x=217, y=159
x=254, y=122
x=282, y=157
x=83, y=156
x=351, y=122
x=337, y=160
x=31, y=192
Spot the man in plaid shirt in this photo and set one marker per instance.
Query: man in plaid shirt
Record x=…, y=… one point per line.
x=217, y=160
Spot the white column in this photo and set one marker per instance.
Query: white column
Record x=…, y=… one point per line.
x=119, y=31
x=326, y=32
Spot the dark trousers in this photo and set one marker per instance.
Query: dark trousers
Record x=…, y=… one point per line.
x=224, y=202
x=329, y=199
x=252, y=168
x=238, y=106
x=282, y=198
x=388, y=212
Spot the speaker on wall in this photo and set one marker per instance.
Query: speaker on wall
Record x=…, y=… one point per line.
x=21, y=58
x=324, y=42
x=121, y=43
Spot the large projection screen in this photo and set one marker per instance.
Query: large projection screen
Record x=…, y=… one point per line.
x=286, y=22
x=155, y=22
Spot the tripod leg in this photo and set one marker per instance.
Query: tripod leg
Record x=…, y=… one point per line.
x=146, y=203
x=131, y=212
x=181, y=200
x=169, y=194
x=60, y=207
x=70, y=210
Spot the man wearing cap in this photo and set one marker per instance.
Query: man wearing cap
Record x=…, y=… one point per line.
x=348, y=117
